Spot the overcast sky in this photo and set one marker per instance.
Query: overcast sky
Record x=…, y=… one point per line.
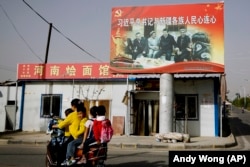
x=23, y=34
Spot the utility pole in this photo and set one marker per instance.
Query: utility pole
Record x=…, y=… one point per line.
x=48, y=43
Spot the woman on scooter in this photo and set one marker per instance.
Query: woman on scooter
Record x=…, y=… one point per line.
x=71, y=148
x=72, y=123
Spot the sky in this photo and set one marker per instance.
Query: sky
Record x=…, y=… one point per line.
x=24, y=35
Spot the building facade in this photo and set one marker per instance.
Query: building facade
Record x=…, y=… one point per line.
x=132, y=103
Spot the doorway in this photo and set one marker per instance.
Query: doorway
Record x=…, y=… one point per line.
x=144, y=113
x=106, y=103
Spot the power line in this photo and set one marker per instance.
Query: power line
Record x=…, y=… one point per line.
x=36, y=12
x=19, y=34
x=76, y=44
x=62, y=33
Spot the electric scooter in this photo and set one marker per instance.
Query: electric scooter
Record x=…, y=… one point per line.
x=95, y=157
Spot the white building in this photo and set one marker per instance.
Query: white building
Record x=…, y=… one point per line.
x=196, y=103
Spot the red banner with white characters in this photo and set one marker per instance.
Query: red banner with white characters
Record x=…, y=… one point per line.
x=66, y=71
x=183, y=38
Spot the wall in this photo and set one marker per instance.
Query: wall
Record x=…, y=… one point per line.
x=205, y=125
x=32, y=104
x=83, y=90
x=119, y=108
x=3, y=102
x=9, y=93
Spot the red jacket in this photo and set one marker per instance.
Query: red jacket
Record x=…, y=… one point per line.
x=97, y=127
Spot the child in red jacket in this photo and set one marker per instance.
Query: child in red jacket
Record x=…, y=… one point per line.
x=99, y=131
x=102, y=127
x=97, y=127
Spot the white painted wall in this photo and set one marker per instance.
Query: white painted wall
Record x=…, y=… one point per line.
x=119, y=108
x=114, y=92
x=32, y=104
x=205, y=125
x=9, y=93
x=83, y=90
x=3, y=102
x=19, y=96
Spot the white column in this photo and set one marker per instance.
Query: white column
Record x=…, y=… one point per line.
x=150, y=120
x=166, y=103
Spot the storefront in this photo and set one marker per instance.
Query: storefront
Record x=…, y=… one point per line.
x=195, y=107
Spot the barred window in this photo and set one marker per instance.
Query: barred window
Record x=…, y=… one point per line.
x=51, y=105
x=186, y=106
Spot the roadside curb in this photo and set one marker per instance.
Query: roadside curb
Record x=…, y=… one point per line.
x=3, y=141
x=37, y=142
x=165, y=146
x=131, y=142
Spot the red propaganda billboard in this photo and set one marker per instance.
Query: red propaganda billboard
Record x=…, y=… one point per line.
x=66, y=71
x=183, y=38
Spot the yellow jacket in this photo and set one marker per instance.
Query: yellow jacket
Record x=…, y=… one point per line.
x=66, y=129
x=72, y=121
x=81, y=128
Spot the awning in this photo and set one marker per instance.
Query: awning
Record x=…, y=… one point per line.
x=133, y=77
x=196, y=75
x=228, y=103
x=223, y=87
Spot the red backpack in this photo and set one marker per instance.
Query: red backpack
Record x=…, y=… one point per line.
x=107, y=131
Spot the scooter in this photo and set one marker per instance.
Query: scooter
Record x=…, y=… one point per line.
x=95, y=157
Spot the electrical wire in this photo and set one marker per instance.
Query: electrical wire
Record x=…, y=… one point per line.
x=19, y=34
x=62, y=33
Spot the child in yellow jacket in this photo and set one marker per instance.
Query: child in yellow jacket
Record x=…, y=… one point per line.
x=71, y=148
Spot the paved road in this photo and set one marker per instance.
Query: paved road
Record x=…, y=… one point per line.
x=22, y=156
x=240, y=126
x=34, y=156
x=131, y=158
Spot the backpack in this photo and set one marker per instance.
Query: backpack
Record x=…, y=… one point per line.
x=107, y=131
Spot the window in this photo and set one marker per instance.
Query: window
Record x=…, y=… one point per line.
x=11, y=102
x=51, y=105
x=186, y=107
